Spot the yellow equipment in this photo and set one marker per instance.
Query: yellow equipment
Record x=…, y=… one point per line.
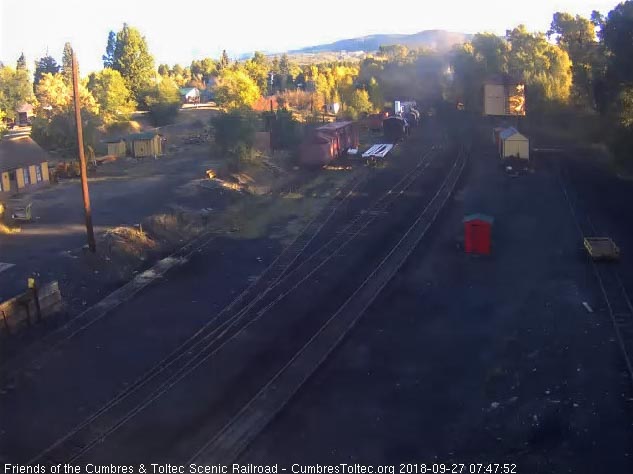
x=602, y=248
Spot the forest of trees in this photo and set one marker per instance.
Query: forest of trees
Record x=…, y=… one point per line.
x=583, y=65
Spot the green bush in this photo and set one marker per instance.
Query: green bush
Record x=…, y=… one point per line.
x=234, y=128
x=235, y=136
x=162, y=102
x=284, y=129
x=59, y=132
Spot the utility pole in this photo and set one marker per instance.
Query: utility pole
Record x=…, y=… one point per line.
x=82, y=159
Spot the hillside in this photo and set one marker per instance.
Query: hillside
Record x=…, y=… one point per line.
x=439, y=40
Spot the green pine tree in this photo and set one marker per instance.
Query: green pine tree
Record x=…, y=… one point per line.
x=21, y=64
x=67, y=63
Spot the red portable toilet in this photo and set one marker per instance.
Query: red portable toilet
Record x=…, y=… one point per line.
x=478, y=233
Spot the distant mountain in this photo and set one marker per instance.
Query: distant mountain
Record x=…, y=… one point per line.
x=439, y=40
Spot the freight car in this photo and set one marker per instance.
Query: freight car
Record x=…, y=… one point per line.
x=395, y=129
x=328, y=142
x=374, y=121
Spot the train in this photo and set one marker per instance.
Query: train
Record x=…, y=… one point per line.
x=395, y=129
x=331, y=141
x=328, y=142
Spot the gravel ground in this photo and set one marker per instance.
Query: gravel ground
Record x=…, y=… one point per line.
x=475, y=359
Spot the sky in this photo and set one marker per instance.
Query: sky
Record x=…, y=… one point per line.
x=178, y=32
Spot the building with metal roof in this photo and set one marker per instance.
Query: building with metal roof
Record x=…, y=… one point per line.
x=189, y=95
x=145, y=144
x=23, y=165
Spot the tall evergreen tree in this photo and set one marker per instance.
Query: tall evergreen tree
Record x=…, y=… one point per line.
x=67, y=63
x=108, y=57
x=133, y=60
x=46, y=64
x=21, y=64
x=224, y=60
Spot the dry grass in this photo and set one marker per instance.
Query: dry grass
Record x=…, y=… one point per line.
x=126, y=242
x=176, y=227
x=253, y=216
x=4, y=229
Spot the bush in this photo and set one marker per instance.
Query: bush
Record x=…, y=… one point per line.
x=3, y=125
x=235, y=136
x=59, y=132
x=284, y=129
x=234, y=128
x=162, y=102
x=359, y=104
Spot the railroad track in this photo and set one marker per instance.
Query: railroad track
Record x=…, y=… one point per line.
x=269, y=276
x=251, y=305
x=618, y=302
x=251, y=420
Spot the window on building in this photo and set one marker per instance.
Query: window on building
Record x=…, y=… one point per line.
x=38, y=173
x=27, y=176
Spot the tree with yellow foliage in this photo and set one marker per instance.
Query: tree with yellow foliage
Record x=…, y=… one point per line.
x=236, y=89
x=54, y=126
x=55, y=95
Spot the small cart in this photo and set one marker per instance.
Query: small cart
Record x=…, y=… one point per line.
x=601, y=248
x=22, y=213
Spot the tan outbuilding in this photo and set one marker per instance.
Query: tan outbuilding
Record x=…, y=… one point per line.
x=116, y=147
x=23, y=165
x=145, y=144
x=513, y=144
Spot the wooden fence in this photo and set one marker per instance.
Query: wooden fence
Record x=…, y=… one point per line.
x=22, y=310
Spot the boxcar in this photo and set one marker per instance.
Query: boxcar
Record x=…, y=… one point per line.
x=374, y=121
x=328, y=142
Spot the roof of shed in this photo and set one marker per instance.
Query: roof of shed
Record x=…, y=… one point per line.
x=186, y=90
x=142, y=136
x=479, y=217
x=24, y=108
x=508, y=132
x=502, y=79
x=19, y=152
x=511, y=134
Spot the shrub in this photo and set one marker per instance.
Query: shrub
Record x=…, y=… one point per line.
x=162, y=102
x=284, y=129
x=235, y=136
x=234, y=128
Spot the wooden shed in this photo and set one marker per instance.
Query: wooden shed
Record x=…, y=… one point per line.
x=513, y=144
x=23, y=165
x=23, y=114
x=478, y=233
x=116, y=147
x=145, y=144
